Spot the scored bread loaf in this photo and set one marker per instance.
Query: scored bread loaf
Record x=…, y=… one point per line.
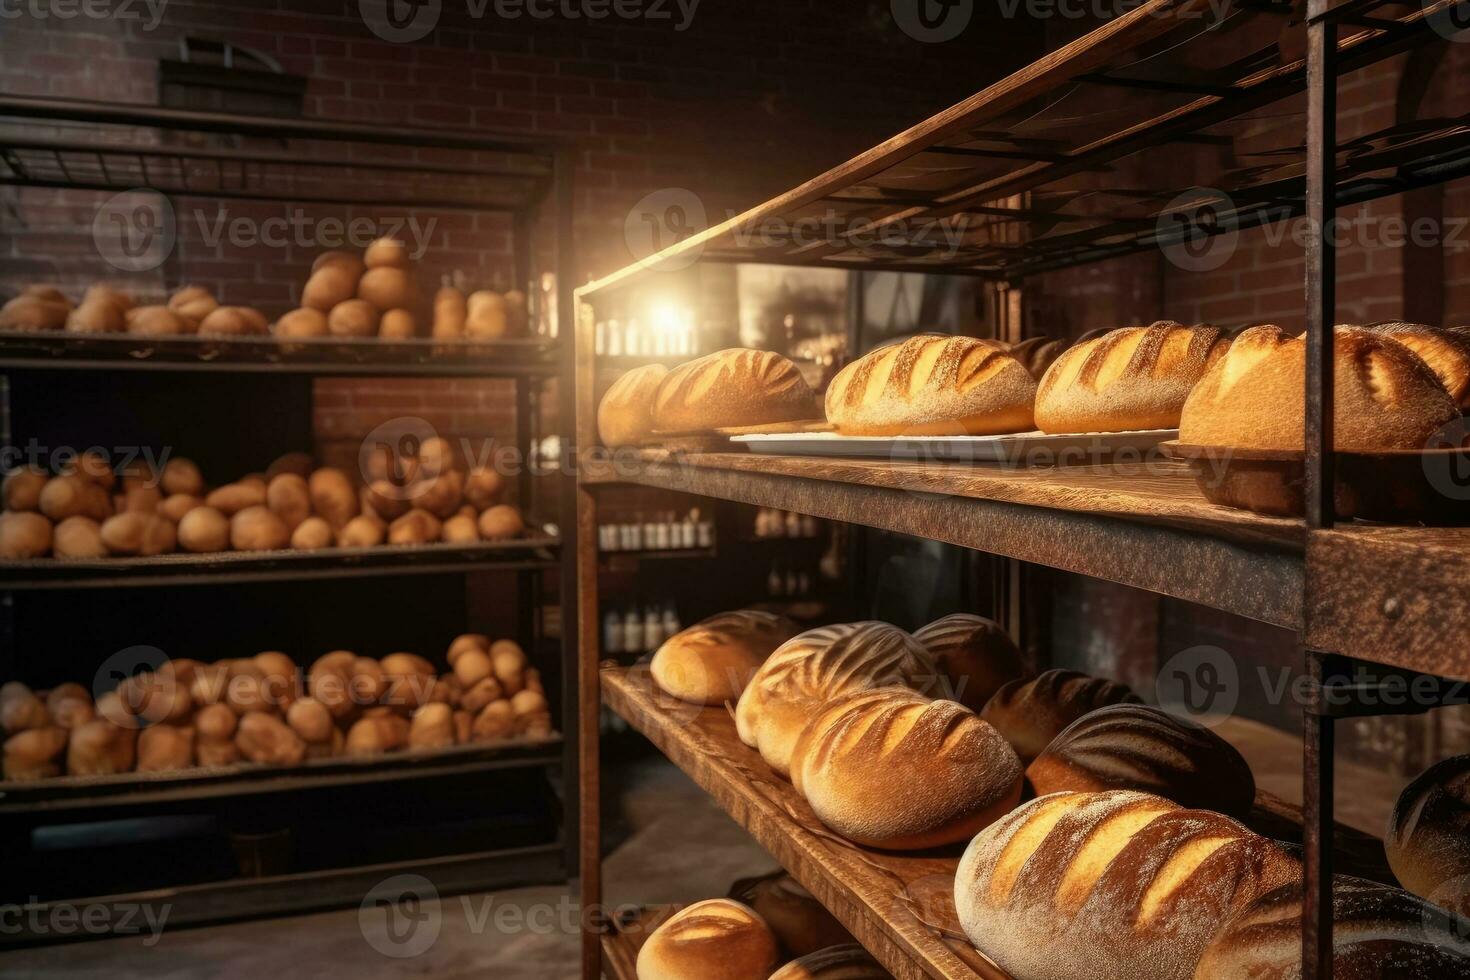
x=1253, y=398
x=1131, y=378
x=732, y=387
x=974, y=655
x=1428, y=839
x=890, y=768
x=1030, y=713
x=714, y=940
x=1446, y=352
x=1378, y=933
x=816, y=666
x=1137, y=747
x=1099, y=886
x=932, y=385
x=713, y=660
x=1037, y=354
x=625, y=415
x=801, y=924
x=846, y=962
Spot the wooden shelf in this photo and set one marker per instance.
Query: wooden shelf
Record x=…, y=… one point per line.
x=626, y=936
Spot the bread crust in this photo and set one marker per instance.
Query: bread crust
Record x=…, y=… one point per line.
x=801, y=923
x=713, y=660
x=846, y=962
x=732, y=387
x=625, y=415
x=714, y=940
x=1030, y=713
x=1447, y=353
x=1428, y=839
x=976, y=656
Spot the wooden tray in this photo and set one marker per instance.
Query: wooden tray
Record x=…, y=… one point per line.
x=1017, y=449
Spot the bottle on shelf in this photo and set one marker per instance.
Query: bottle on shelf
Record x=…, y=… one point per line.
x=632, y=631
x=612, y=632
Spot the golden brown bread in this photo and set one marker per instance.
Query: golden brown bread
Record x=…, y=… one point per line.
x=890, y=768
x=816, y=666
x=1253, y=398
x=625, y=415
x=731, y=388
x=713, y=660
x=1131, y=378
x=34, y=753
x=1037, y=354
x=932, y=385
x=846, y=962
x=1030, y=713
x=801, y=924
x=1428, y=839
x=714, y=940
x=1445, y=351
x=1138, y=747
x=975, y=656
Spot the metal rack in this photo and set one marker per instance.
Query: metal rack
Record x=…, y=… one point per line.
x=1027, y=203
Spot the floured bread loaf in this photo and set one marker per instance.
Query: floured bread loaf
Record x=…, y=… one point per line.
x=801, y=923
x=713, y=660
x=974, y=654
x=1253, y=398
x=714, y=940
x=932, y=385
x=1137, y=747
x=1378, y=933
x=1132, y=378
x=625, y=416
x=1428, y=840
x=731, y=388
x=1030, y=713
x=810, y=669
x=890, y=768
x=1446, y=352
x=1101, y=886
x=848, y=962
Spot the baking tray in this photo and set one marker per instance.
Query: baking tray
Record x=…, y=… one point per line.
x=1020, y=448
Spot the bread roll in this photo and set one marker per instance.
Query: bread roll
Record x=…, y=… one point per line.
x=1253, y=398
x=846, y=962
x=362, y=532
x=100, y=748
x=1446, y=352
x=509, y=663
x=817, y=666
x=1037, y=354
x=625, y=415
x=482, y=487
x=501, y=523
x=312, y=534
x=460, y=529
x=386, y=253
x=1137, y=747
x=397, y=324
x=311, y=720
x=259, y=529
x=234, y=321
x=22, y=488
x=97, y=315
x=1428, y=839
x=932, y=385
x=465, y=642
x=336, y=257
x=484, y=692
x=24, y=535
x=34, y=754
x=299, y=463
x=214, y=738
x=157, y=321
x=801, y=924
x=494, y=721
x=376, y=735
x=78, y=537
x=164, y=748
x=139, y=533
x=732, y=388
x=262, y=737
x=181, y=476
x=177, y=506
x=204, y=530
x=441, y=494
x=144, y=500
x=330, y=286
x=31, y=313
x=72, y=494
x=332, y=496
x=485, y=316
x=450, y=312
x=1030, y=713
x=432, y=727
x=387, y=288
x=193, y=302
x=289, y=499
x=417, y=527
x=21, y=709
x=1098, y=886
x=353, y=318
x=69, y=705
x=974, y=654
x=232, y=498
x=713, y=660
x=305, y=322
x=714, y=940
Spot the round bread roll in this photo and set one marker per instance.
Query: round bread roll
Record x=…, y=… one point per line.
x=625, y=415
x=1253, y=398
x=216, y=721
x=387, y=500
x=299, y=463
x=103, y=292
x=32, y=313
x=97, y=315
x=376, y=735
x=485, y=316
x=473, y=666
x=845, y=962
x=353, y=318
x=332, y=496
x=232, y=498
x=975, y=655
x=328, y=287
x=177, y=506
x=440, y=495
x=20, y=709
x=181, y=476
x=100, y=748
x=1030, y=713
x=417, y=527
x=94, y=466
x=802, y=924
x=486, y=692
x=287, y=495
x=732, y=388
x=24, y=535
x=22, y=488
x=398, y=325
x=1137, y=747
x=157, y=321
x=386, y=253
x=138, y=533
x=509, y=663
x=164, y=748
x=713, y=660
x=1446, y=352
x=305, y=322
x=715, y=940
x=817, y=666
x=204, y=530
x=78, y=537
x=362, y=532
x=144, y=500
x=312, y=534
x=450, y=312
x=889, y=768
x=262, y=737
x=34, y=754
x=1428, y=839
x=501, y=523
x=465, y=642
x=311, y=720
x=432, y=727
x=495, y=720
x=345, y=260
x=387, y=288
x=460, y=529
x=234, y=321
x=69, y=705
x=71, y=494
x=259, y=529
x=436, y=455
x=193, y=302
x=482, y=487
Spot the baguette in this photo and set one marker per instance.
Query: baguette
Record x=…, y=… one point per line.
x=732, y=388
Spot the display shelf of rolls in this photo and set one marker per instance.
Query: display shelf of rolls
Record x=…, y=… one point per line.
x=1046, y=824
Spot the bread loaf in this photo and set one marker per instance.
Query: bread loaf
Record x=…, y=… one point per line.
x=890, y=768
x=1100, y=886
x=731, y=388
x=1037, y=354
x=713, y=660
x=1137, y=747
x=846, y=962
x=625, y=415
x=1133, y=378
x=714, y=940
x=932, y=385
x=801, y=924
x=1378, y=933
x=817, y=666
x=974, y=655
x=1428, y=839
x=1253, y=398
x=1032, y=713
x=1446, y=352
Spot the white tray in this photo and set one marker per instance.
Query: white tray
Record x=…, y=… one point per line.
x=1034, y=448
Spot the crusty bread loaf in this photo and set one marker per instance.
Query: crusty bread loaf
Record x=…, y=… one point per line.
x=714, y=940
x=817, y=666
x=801, y=924
x=713, y=660
x=1132, y=378
x=1037, y=354
x=1137, y=747
x=974, y=654
x=1378, y=933
x=890, y=768
x=932, y=385
x=1446, y=352
x=1100, y=886
x=1428, y=839
x=1253, y=398
x=1032, y=713
x=625, y=416
x=847, y=962
x=731, y=388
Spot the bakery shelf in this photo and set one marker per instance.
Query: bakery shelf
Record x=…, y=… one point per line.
x=626, y=936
